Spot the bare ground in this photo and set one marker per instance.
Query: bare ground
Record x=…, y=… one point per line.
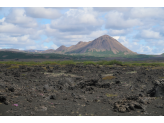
x=78, y=90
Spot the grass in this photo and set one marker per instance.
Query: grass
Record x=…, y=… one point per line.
x=13, y=67
x=16, y=64
x=111, y=95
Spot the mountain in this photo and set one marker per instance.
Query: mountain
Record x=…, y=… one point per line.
x=100, y=46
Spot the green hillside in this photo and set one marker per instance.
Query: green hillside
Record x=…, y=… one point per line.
x=111, y=54
x=20, y=55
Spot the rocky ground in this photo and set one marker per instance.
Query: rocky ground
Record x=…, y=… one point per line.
x=79, y=90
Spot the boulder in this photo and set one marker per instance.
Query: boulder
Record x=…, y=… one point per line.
x=158, y=89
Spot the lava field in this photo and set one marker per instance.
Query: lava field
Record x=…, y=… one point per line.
x=81, y=90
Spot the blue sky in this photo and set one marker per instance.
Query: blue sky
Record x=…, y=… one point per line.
x=141, y=29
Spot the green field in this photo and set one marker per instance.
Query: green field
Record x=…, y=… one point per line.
x=112, y=62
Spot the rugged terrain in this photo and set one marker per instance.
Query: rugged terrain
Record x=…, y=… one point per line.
x=78, y=90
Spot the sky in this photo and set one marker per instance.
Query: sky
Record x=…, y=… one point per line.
x=140, y=29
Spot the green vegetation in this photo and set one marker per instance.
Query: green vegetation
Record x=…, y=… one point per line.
x=111, y=95
x=16, y=64
x=13, y=67
x=111, y=54
x=20, y=55
x=89, y=63
x=73, y=59
x=66, y=62
x=103, y=53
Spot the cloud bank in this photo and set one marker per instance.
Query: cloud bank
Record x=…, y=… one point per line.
x=139, y=29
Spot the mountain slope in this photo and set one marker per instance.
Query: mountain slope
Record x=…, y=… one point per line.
x=72, y=48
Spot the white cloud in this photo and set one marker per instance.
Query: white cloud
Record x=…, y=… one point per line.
x=30, y=47
x=47, y=40
x=149, y=34
x=10, y=28
x=16, y=31
x=41, y=12
x=15, y=42
x=17, y=16
x=116, y=37
x=45, y=47
x=38, y=46
x=118, y=21
x=145, y=50
x=140, y=12
x=73, y=36
x=97, y=33
x=118, y=32
x=35, y=34
x=2, y=20
x=130, y=45
x=136, y=46
x=21, y=42
x=77, y=20
x=50, y=31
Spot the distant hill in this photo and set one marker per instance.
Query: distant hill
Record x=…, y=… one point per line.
x=15, y=50
x=103, y=46
x=25, y=51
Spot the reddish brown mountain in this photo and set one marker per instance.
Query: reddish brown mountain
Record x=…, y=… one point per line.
x=103, y=43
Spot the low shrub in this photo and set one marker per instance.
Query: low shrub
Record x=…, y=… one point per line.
x=111, y=95
x=89, y=63
x=101, y=62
